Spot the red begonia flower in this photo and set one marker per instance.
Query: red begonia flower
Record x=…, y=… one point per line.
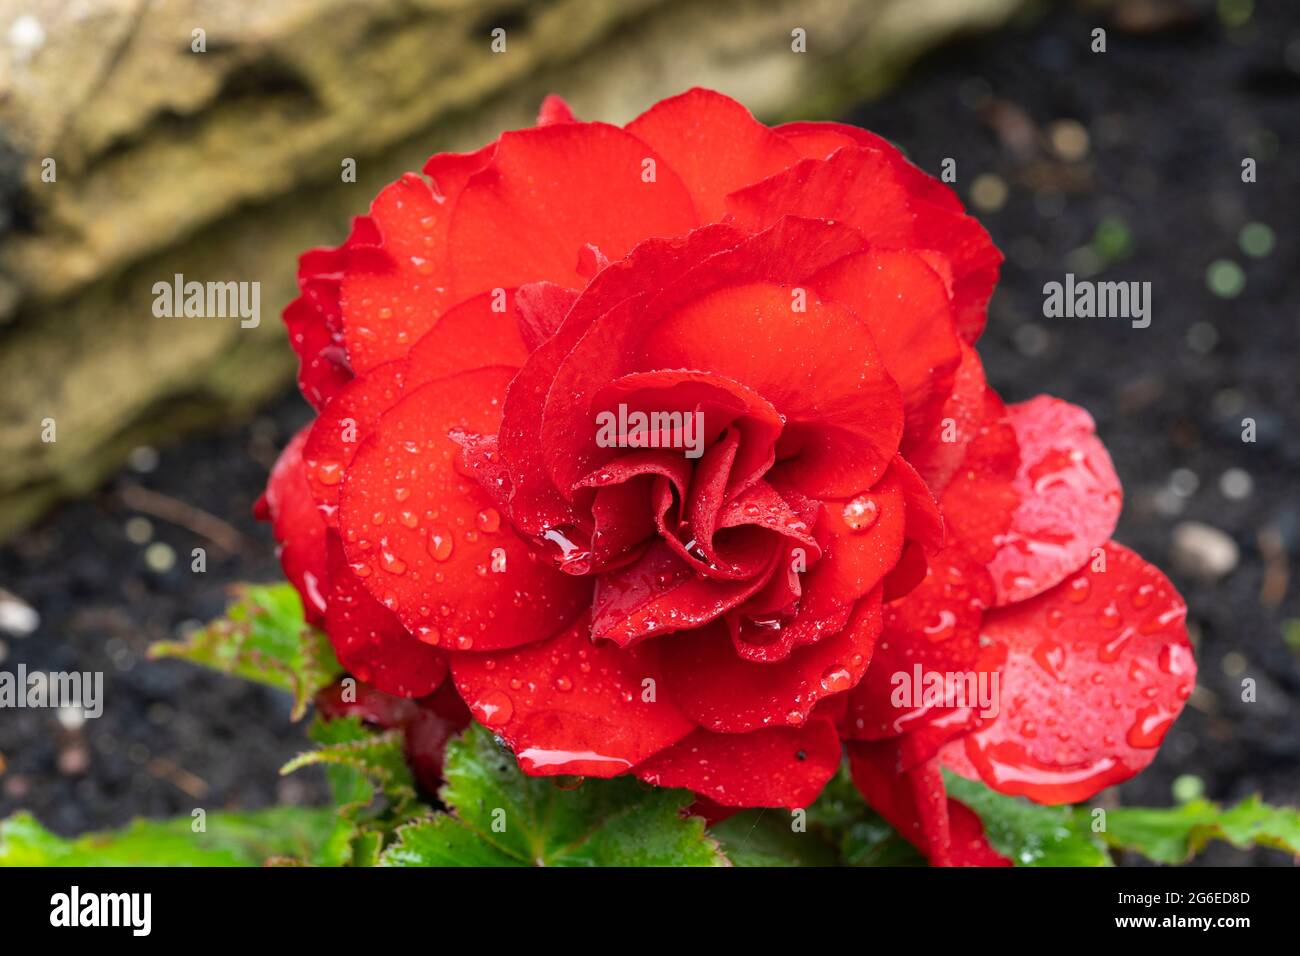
x=669, y=444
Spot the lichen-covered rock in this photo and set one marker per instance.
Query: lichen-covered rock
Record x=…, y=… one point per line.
x=128, y=155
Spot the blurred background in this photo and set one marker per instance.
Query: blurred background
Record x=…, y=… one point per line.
x=225, y=164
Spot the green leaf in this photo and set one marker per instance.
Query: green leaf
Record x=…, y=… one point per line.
x=230, y=839
x=768, y=838
x=362, y=765
x=500, y=817
x=263, y=638
x=873, y=842
x=861, y=835
x=1028, y=833
x=1176, y=834
x=372, y=787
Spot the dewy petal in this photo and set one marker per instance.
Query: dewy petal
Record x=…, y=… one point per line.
x=858, y=544
x=714, y=144
x=314, y=320
x=536, y=504
x=660, y=592
x=1097, y=670
x=1068, y=499
x=566, y=706
x=915, y=803
x=740, y=315
x=904, y=304
x=369, y=639
x=932, y=632
x=937, y=452
x=426, y=539
x=820, y=140
x=725, y=694
x=540, y=308
x=298, y=527
x=554, y=110
x=335, y=435
x=867, y=188
x=548, y=192
x=775, y=767
x=396, y=294
x=478, y=333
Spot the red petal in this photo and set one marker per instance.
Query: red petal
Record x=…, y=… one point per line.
x=298, y=527
x=968, y=846
x=714, y=144
x=936, y=629
x=541, y=308
x=735, y=316
x=905, y=305
x=869, y=189
x=566, y=706
x=371, y=642
x=819, y=369
x=536, y=504
x=776, y=767
x=820, y=140
x=659, y=592
x=855, y=186
x=725, y=694
x=554, y=110
x=337, y=432
x=726, y=407
x=916, y=804
x=432, y=547
x=1097, y=669
x=1068, y=499
x=314, y=319
x=937, y=452
x=436, y=720
x=859, y=542
x=478, y=333
x=548, y=192
x=396, y=295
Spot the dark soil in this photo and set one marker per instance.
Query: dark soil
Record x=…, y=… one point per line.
x=1154, y=194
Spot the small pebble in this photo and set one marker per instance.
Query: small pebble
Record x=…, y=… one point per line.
x=138, y=530
x=988, y=192
x=143, y=459
x=1184, y=482
x=71, y=718
x=16, y=617
x=1069, y=139
x=1236, y=484
x=159, y=557
x=73, y=761
x=1203, y=552
x=1233, y=664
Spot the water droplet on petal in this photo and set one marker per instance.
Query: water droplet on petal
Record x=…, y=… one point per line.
x=488, y=520
x=1078, y=590
x=861, y=513
x=1149, y=728
x=440, y=543
x=494, y=708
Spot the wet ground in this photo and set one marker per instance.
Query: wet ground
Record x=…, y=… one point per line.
x=1123, y=165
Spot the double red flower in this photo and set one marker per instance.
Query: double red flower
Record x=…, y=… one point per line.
x=865, y=509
